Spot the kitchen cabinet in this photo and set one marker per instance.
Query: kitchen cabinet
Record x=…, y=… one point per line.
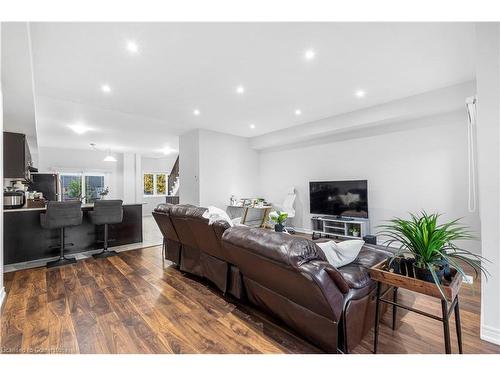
x=16, y=156
x=25, y=240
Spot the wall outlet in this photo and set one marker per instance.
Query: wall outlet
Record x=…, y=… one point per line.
x=468, y=279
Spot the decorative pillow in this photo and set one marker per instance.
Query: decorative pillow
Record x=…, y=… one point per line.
x=213, y=214
x=237, y=222
x=339, y=254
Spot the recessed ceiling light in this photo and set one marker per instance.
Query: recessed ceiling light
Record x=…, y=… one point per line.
x=240, y=89
x=132, y=46
x=309, y=54
x=252, y=126
x=298, y=112
x=360, y=93
x=105, y=88
x=79, y=128
x=196, y=112
x=168, y=150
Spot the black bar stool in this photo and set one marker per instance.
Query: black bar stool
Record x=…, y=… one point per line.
x=60, y=215
x=104, y=213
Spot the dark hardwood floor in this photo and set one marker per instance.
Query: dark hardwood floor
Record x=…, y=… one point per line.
x=131, y=304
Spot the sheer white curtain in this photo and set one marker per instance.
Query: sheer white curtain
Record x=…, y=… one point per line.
x=470, y=104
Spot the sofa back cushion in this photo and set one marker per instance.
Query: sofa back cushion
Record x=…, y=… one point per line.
x=283, y=264
x=161, y=215
x=207, y=236
x=179, y=215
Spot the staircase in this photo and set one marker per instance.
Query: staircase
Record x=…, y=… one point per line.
x=173, y=179
x=175, y=187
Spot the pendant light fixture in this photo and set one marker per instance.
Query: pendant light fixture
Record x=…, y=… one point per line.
x=109, y=157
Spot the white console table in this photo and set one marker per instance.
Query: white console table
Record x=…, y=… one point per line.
x=342, y=228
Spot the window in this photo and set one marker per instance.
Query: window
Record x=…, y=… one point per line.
x=161, y=184
x=71, y=187
x=149, y=188
x=155, y=184
x=94, y=186
x=85, y=187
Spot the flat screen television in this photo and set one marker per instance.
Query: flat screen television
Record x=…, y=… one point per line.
x=339, y=198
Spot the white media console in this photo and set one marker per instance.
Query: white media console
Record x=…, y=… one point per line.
x=342, y=228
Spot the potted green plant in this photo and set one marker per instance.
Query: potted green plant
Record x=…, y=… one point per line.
x=279, y=218
x=355, y=231
x=431, y=245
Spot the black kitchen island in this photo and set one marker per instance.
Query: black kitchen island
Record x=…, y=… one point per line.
x=25, y=240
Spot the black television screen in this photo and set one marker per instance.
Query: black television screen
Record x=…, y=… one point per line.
x=339, y=198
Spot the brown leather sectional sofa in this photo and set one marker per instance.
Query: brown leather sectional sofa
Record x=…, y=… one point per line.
x=284, y=275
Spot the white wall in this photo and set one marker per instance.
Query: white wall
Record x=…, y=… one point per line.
x=64, y=160
x=488, y=123
x=189, y=168
x=2, y=290
x=214, y=166
x=155, y=165
x=228, y=166
x=422, y=167
x=129, y=177
x=414, y=107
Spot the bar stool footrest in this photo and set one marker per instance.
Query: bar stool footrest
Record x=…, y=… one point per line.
x=105, y=254
x=68, y=244
x=109, y=240
x=60, y=262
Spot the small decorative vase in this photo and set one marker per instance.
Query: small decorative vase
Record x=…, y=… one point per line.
x=279, y=228
x=355, y=234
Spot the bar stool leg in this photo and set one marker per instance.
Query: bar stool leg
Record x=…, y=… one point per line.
x=62, y=261
x=105, y=253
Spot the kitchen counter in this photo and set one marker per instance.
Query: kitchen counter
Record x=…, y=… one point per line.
x=9, y=210
x=25, y=240
x=85, y=206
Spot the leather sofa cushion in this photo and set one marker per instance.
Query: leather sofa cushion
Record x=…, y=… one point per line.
x=196, y=213
x=368, y=257
x=179, y=210
x=356, y=274
x=163, y=208
x=279, y=247
x=219, y=228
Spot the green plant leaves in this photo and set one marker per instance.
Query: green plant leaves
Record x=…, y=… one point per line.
x=278, y=217
x=429, y=242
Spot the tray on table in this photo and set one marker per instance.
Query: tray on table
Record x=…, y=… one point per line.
x=380, y=272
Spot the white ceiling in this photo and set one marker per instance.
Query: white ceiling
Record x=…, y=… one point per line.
x=183, y=66
x=17, y=83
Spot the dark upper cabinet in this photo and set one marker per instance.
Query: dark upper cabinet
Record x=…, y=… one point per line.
x=16, y=156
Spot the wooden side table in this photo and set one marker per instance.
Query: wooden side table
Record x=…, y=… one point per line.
x=395, y=281
x=264, y=209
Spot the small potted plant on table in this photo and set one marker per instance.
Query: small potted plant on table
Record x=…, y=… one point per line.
x=355, y=231
x=431, y=246
x=279, y=218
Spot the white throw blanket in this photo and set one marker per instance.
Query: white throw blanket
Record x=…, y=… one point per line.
x=339, y=254
x=214, y=214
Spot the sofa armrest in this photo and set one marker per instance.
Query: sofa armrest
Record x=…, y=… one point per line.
x=337, y=278
x=220, y=227
x=330, y=281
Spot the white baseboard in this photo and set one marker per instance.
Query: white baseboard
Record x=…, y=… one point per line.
x=2, y=296
x=490, y=334
x=303, y=230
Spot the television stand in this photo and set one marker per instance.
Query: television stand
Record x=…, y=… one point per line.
x=345, y=228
